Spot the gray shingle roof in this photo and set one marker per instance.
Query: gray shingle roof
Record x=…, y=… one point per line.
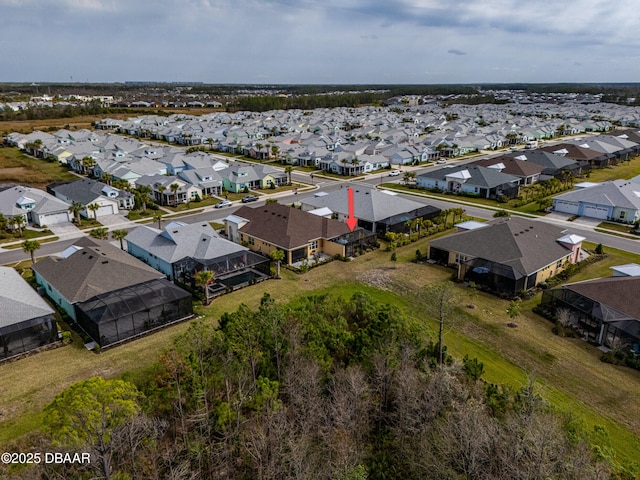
x=522, y=244
x=369, y=204
x=616, y=193
x=480, y=176
x=98, y=267
x=18, y=301
x=178, y=241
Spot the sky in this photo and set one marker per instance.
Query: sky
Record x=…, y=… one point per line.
x=320, y=41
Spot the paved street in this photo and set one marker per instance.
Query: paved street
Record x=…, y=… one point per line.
x=582, y=226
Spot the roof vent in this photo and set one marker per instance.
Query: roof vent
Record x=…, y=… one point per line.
x=90, y=257
x=105, y=261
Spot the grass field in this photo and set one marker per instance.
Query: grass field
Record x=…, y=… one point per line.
x=567, y=372
x=15, y=167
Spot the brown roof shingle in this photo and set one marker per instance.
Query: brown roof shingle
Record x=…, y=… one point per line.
x=288, y=227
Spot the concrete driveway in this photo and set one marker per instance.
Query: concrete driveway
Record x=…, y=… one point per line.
x=66, y=228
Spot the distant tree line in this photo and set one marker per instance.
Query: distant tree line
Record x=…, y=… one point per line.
x=325, y=388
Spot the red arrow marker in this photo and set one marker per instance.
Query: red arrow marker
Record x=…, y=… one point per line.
x=352, y=221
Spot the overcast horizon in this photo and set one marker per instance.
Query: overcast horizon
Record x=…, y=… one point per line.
x=333, y=42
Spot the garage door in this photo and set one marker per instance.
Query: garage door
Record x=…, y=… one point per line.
x=54, y=218
x=566, y=207
x=594, y=211
x=105, y=210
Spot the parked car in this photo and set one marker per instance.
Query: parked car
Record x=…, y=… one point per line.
x=441, y=161
x=224, y=203
x=249, y=198
x=394, y=173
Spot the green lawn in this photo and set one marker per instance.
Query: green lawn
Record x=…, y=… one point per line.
x=623, y=170
x=567, y=372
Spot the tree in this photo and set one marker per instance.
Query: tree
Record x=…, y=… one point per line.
x=106, y=178
x=100, y=233
x=89, y=413
x=161, y=189
x=259, y=148
x=288, y=169
x=30, y=247
x=277, y=256
x=513, y=310
x=18, y=222
x=94, y=207
x=275, y=152
x=143, y=195
x=75, y=209
x=174, y=187
x=440, y=303
x=409, y=177
x=204, y=278
x=157, y=217
x=119, y=235
x=87, y=164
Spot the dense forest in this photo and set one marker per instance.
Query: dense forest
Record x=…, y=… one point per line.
x=323, y=388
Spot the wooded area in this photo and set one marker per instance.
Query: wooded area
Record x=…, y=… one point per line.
x=319, y=389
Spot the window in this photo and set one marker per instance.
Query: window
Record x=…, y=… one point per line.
x=313, y=245
x=623, y=214
x=251, y=241
x=461, y=258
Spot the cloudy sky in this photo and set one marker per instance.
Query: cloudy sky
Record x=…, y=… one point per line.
x=320, y=41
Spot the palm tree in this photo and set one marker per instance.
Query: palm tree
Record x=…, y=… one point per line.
x=94, y=207
x=275, y=151
x=119, y=235
x=161, y=189
x=87, y=164
x=288, y=169
x=158, y=218
x=30, y=246
x=121, y=184
x=259, y=147
x=75, y=209
x=277, y=256
x=106, y=178
x=174, y=187
x=18, y=222
x=143, y=195
x=204, y=278
x=101, y=233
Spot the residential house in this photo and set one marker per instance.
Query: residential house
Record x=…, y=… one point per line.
x=301, y=235
x=181, y=250
x=378, y=211
x=240, y=176
x=170, y=190
x=605, y=310
x=109, y=294
x=528, y=173
x=554, y=165
x=472, y=180
x=34, y=205
x=617, y=200
x=27, y=321
x=87, y=191
x=508, y=255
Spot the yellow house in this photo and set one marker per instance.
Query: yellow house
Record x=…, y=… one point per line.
x=301, y=235
x=508, y=255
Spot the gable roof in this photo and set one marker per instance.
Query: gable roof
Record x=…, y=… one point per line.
x=473, y=174
x=97, y=267
x=369, y=204
x=510, y=166
x=178, y=240
x=615, y=193
x=288, y=227
x=522, y=244
x=18, y=301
